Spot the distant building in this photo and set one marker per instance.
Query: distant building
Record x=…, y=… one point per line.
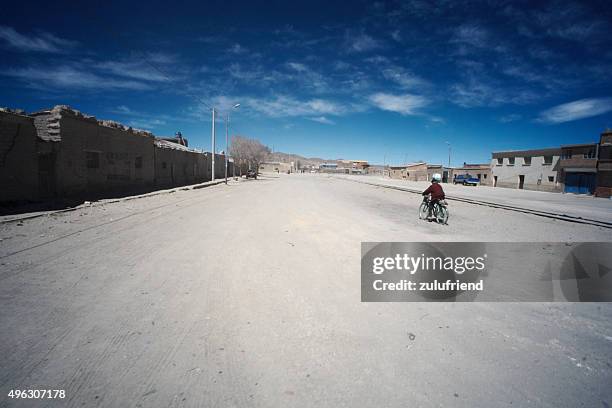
x=534, y=169
x=398, y=172
x=275, y=167
x=331, y=168
x=481, y=171
x=577, y=171
x=604, y=165
x=354, y=166
x=424, y=172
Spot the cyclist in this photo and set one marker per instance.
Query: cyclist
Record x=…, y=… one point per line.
x=436, y=191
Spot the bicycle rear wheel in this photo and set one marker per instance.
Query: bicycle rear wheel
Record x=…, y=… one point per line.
x=442, y=214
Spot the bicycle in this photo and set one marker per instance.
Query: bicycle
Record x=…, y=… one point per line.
x=439, y=211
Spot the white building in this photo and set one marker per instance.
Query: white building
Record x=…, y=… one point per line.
x=527, y=169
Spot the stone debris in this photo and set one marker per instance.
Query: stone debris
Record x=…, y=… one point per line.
x=47, y=123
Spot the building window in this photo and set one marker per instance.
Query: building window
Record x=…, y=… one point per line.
x=527, y=160
x=590, y=154
x=566, y=154
x=138, y=162
x=500, y=161
x=93, y=160
x=485, y=176
x=510, y=161
x=548, y=159
x=163, y=165
x=551, y=179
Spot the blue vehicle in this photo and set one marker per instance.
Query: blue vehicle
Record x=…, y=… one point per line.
x=466, y=180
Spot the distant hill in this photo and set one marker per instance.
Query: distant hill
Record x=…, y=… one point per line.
x=290, y=157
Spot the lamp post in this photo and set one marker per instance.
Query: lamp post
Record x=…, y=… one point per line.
x=227, y=119
x=213, y=145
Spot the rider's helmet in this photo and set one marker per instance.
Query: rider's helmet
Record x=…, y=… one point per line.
x=437, y=177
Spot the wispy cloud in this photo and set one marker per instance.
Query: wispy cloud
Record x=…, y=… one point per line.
x=362, y=42
x=580, y=109
x=146, y=124
x=471, y=34
x=237, y=49
x=323, y=119
x=405, y=79
x=512, y=117
x=133, y=69
x=43, y=42
x=69, y=77
x=278, y=106
x=475, y=92
x=405, y=104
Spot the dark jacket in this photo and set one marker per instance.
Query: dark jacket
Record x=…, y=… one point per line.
x=436, y=191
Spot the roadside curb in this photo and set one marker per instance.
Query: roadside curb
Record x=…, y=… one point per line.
x=88, y=204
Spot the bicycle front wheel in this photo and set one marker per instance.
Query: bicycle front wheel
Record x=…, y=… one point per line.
x=423, y=211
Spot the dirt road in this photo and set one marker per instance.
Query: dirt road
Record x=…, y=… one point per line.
x=249, y=295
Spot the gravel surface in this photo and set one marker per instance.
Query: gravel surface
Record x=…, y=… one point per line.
x=249, y=295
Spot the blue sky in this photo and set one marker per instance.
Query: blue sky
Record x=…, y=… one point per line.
x=360, y=80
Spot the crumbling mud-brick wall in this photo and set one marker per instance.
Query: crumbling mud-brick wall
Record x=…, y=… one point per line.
x=18, y=158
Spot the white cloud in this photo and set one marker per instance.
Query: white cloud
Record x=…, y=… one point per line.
x=237, y=49
x=485, y=92
x=403, y=78
x=68, y=77
x=512, y=117
x=277, y=106
x=123, y=110
x=296, y=66
x=146, y=124
x=323, y=119
x=44, y=42
x=405, y=104
x=362, y=43
x=580, y=109
x=133, y=69
x=471, y=34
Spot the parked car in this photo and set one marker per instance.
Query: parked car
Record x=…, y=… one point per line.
x=466, y=180
x=251, y=174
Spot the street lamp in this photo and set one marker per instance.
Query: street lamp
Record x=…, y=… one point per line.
x=213, y=135
x=227, y=118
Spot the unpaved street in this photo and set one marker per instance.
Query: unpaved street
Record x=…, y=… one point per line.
x=249, y=295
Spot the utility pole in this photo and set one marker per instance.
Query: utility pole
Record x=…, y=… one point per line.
x=449, y=154
x=226, y=138
x=227, y=122
x=213, y=144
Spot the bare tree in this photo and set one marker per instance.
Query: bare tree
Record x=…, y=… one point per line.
x=248, y=152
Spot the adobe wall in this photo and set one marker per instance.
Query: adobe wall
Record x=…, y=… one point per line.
x=18, y=158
